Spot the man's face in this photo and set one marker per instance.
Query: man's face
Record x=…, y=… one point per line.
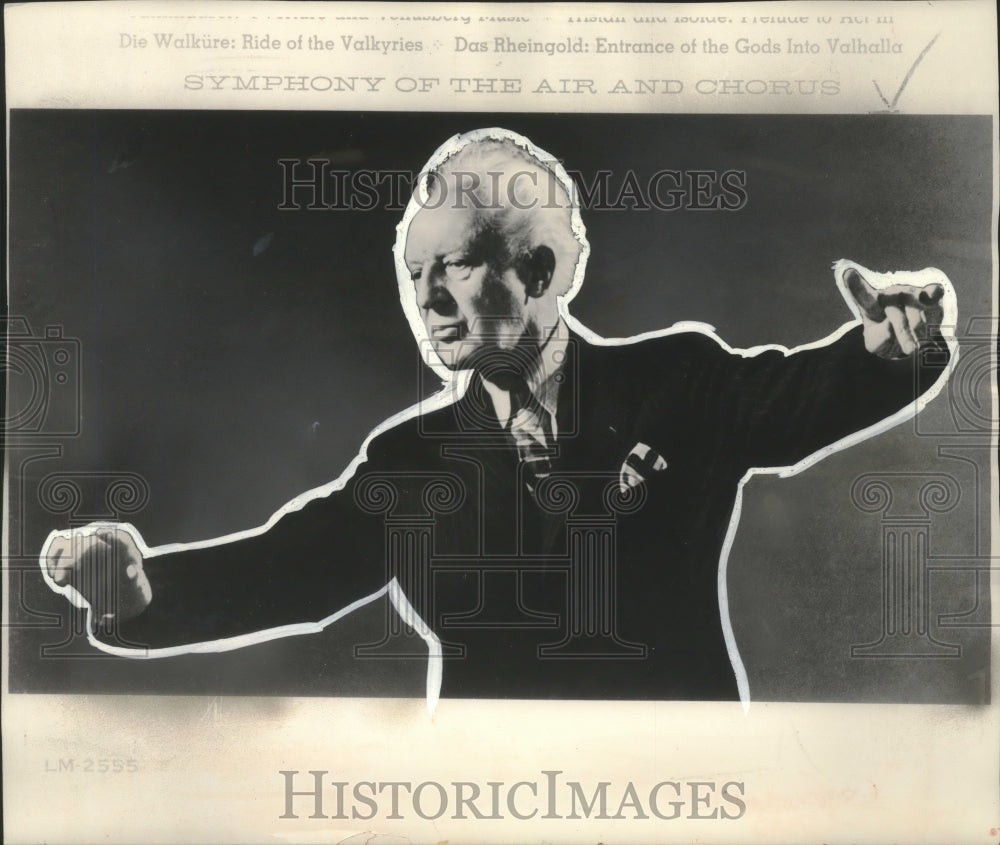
x=472, y=301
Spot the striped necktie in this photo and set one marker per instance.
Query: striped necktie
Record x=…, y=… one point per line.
x=530, y=426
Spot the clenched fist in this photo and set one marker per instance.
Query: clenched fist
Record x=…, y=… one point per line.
x=896, y=318
x=103, y=565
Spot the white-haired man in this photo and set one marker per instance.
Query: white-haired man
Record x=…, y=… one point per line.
x=567, y=502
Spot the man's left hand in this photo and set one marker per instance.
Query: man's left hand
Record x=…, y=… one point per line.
x=896, y=318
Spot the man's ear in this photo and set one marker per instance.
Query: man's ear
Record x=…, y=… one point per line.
x=536, y=270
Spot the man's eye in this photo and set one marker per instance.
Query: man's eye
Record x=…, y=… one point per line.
x=415, y=276
x=458, y=269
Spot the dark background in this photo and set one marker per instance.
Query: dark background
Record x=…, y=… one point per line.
x=233, y=355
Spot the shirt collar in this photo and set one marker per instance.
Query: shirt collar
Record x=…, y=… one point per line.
x=543, y=380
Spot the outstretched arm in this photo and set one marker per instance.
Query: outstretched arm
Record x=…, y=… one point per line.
x=774, y=408
x=313, y=562
x=789, y=406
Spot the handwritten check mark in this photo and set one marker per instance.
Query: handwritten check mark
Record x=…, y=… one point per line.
x=892, y=106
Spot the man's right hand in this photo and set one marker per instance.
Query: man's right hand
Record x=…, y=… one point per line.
x=104, y=566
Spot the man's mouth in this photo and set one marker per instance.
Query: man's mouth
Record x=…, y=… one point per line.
x=448, y=333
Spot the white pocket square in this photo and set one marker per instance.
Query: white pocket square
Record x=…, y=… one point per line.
x=642, y=463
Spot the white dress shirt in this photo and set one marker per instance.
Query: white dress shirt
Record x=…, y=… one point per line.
x=544, y=381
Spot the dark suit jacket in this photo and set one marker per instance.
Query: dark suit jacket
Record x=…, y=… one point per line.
x=576, y=591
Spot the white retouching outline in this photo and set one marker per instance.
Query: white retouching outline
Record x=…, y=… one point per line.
x=453, y=388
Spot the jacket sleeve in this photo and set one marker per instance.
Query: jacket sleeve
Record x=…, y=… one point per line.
x=314, y=561
x=780, y=408
x=775, y=408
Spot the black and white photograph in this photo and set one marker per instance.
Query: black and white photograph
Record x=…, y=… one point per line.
x=394, y=441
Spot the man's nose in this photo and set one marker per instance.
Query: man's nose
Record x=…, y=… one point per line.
x=432, y=295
